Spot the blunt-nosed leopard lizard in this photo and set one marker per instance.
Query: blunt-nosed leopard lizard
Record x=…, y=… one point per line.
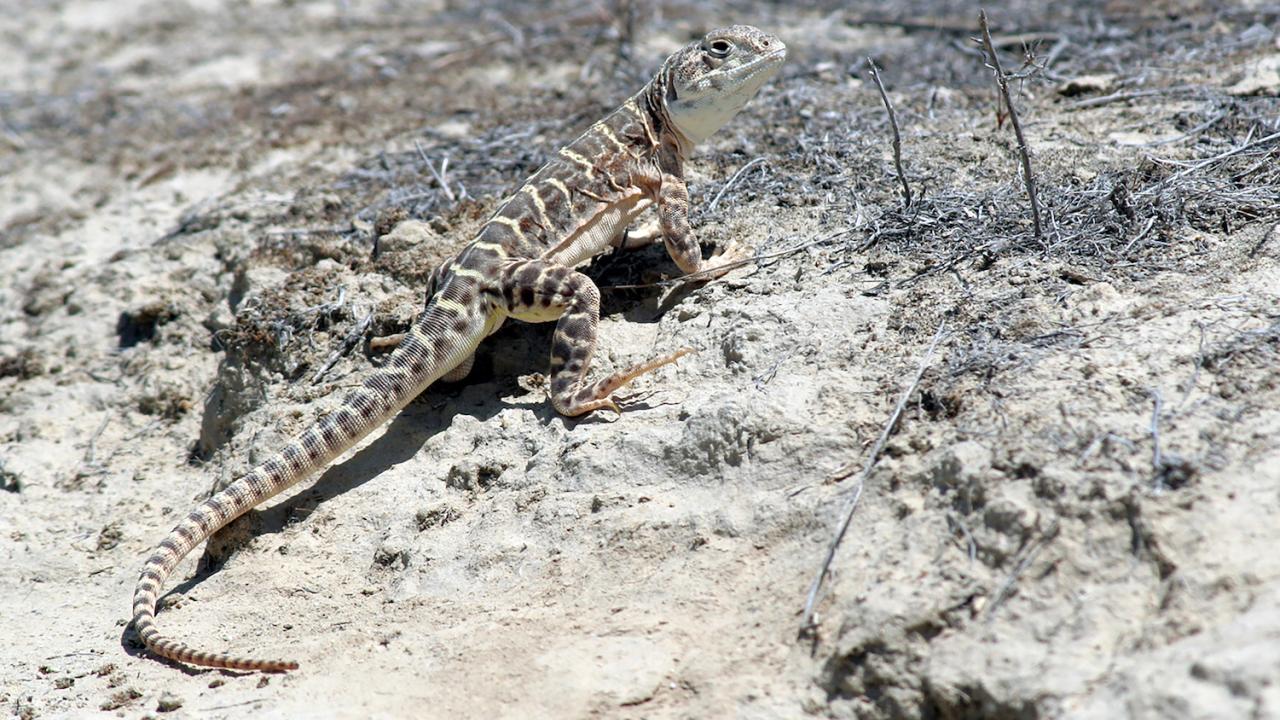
x=520, y=265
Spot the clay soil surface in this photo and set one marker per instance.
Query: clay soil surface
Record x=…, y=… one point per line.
x=1075, y=514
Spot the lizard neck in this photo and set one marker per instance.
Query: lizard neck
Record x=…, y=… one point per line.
x=653, y=99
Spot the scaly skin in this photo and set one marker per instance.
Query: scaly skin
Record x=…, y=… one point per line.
x=520, y=265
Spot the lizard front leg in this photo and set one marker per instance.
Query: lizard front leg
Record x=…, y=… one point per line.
x=681, y=243
x=540, y=291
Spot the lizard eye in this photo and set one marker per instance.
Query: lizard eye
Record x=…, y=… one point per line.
x=719, y=48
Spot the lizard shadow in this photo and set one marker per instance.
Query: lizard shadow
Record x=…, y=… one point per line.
x=617, y=275
x=480, y=396
x=133, y=647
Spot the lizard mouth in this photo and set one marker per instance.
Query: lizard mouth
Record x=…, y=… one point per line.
x=771, y=60
x=764, y=62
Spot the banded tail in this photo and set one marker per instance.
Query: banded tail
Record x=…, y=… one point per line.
x=443, y=337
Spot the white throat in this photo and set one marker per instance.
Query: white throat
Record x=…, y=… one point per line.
x=700, y=120
x=698, y=116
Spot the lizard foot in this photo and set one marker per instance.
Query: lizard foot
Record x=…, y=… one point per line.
x=599, y=395
x=725, y=259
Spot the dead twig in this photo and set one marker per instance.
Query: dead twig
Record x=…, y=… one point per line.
x=351, y=340
x=1151, y=221
x=741, y=171
x=1027, y=558
x=11, y=136
x=765, y=377
x=438, y=175
x=90, y=460
x=807, y=624
x=1002, y=82
x=1195, y=374
x=1123, y=95
x=329, y=308
x=386, y=342
x=1157, y=462
x=970, y=543
x=1244, y=343
x=938, y=24
x=1270, y=233
x=303, y=232
x=1248, y=145
x=1192, y=132
x=897, y=138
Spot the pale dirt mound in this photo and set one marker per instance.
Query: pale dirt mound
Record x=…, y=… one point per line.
x=1074, y=517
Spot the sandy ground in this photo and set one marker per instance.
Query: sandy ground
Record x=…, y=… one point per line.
x=1075, y=515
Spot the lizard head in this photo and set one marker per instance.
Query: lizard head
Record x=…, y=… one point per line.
x=707, y=82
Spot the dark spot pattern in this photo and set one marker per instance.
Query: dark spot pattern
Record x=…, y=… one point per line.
x=561, y=347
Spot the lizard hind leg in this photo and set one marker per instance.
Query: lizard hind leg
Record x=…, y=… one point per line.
x=540, y=291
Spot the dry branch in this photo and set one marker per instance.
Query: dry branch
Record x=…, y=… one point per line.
x=1028, y=556
x=386, y=342
x=897, y=138
x=1002, y=82
x=1156, y=461
x=741, y=171
x=807, y=624
x=1266, y=236
x=437, y=174
x=1125, y=95
x=1216, y=158
x=351, y=340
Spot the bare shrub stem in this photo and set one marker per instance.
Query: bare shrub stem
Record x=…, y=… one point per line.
x=1002, y=82
x=897, y=138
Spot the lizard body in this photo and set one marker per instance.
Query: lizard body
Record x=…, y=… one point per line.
x=519, y=265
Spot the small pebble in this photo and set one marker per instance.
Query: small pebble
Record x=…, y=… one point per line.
x=168, y=702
